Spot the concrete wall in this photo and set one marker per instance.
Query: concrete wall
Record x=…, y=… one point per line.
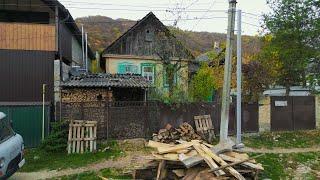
x=264, y=114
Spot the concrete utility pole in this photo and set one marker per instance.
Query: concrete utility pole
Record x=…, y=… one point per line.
x=227, y=74
x=239, y=74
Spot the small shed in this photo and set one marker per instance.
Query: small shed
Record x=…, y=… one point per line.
x=104, y=87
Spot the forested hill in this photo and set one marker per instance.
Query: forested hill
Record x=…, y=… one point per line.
x=104, y=30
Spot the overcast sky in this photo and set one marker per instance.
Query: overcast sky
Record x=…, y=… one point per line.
x=195, y=15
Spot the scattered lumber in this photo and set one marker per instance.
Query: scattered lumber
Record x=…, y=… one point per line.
x=170, y=134
x=196, y=160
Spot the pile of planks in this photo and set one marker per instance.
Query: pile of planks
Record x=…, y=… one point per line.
x=170, y=134
x=196, y=160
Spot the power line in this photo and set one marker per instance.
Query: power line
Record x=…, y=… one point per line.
x=116, y=9
x=204, y=14
x=251, y=24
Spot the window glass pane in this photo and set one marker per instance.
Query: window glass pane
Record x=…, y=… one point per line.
x=5, y=130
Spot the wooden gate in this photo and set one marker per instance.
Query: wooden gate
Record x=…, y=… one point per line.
x=289, y=113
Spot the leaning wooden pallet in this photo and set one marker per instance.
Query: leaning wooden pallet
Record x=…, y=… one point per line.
x=196, y=160
x=82, y=136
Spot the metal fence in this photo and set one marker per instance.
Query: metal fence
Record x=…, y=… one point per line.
x=120, y=120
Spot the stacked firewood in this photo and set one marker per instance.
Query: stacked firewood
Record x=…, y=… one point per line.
x=197, y=160
x=170, y=134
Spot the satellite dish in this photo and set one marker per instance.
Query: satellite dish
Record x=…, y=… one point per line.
x=2, y=115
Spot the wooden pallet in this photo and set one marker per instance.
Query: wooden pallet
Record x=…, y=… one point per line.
x=82, y=136
x=204, y=126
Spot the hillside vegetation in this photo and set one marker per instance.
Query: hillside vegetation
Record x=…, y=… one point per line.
x=104, y=30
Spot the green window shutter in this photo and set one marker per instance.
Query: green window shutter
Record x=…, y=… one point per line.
x=121, y=68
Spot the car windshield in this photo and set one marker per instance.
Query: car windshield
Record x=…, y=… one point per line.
x=5, y=130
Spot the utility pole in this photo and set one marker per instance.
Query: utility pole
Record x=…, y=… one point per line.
x=239, y=74
x=227, y=75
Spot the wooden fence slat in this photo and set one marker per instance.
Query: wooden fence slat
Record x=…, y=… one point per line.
x=91, y=142
x=73, y=142
x=82, y=139
x=69, y=139
x=95, y=140
x=87, y=136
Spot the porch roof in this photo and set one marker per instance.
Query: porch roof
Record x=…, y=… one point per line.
x=107, y=80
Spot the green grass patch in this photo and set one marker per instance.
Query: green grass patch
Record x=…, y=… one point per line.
x=37, y=159
x=296, y=139
x=284, y=166
x=107, y=173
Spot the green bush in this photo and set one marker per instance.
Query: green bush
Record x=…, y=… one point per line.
x=57, y=139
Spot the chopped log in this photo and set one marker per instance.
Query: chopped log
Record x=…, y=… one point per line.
x=219, y=160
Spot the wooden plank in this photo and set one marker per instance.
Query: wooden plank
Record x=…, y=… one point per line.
x=78, y=139
x=235, y=163
x=248, y=164
x=175, y=148
x=69, y=138
x=82, y=137
x=74, y=130
x=156, y=145
x=179, y=172
x=95, y=138
x=219, y=160
x=87, y=136
x=188, y=161
x=207, y=159
x=91, y=136
x=161, y=172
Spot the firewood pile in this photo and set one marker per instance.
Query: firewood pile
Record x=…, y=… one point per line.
x=196, y=160
x=170, y=134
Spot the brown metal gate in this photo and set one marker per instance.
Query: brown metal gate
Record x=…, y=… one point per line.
x=289, y=113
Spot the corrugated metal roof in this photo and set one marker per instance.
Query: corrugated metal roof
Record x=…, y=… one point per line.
x=107, y=80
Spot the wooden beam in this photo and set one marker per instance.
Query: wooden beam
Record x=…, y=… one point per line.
x=235, y=163
x=219, y=160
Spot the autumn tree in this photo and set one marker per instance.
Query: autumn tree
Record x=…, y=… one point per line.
x=294, y=26
x=202, y=84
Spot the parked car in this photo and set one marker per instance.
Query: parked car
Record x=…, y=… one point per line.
x=11, y=149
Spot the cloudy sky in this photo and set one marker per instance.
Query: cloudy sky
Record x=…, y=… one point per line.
x=195, y=15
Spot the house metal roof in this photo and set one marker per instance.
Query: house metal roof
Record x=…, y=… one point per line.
x=107, y=80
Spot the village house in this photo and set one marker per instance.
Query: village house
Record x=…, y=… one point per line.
x=138, y=51
x=40, y=43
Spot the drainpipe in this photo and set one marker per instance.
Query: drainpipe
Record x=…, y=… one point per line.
x=87, y=52
x=43, y=108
